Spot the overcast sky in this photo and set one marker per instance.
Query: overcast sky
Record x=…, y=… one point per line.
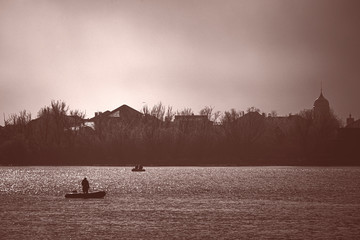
x=98, y=55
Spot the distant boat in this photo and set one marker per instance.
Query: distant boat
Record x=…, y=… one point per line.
x=138, y=168
x=99, y=194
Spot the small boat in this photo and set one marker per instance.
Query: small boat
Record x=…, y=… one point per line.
x=99, y=194
x=138, y=168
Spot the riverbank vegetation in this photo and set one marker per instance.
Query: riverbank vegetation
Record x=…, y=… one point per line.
x=60, y=136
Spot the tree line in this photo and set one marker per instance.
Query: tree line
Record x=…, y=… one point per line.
x=59, y=136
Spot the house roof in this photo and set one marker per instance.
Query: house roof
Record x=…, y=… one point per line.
x=125, y=107
x=122, y=108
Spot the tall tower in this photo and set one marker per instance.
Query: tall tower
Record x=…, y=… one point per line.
x=321, y=108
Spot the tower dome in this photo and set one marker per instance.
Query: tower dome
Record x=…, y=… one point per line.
x=321, y=106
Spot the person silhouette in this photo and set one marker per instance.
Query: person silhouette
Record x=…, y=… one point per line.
x=85, y=185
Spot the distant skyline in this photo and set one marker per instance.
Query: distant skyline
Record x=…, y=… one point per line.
x=98, y=55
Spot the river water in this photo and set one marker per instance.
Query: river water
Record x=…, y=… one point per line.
x=181, y=203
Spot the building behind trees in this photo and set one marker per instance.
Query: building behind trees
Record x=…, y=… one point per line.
x=161, y=136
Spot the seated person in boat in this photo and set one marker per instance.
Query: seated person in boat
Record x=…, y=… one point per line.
x=85, y=185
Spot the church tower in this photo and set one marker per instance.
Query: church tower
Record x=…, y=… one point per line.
x=321, y=108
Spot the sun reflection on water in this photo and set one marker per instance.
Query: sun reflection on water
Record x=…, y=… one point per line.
x=181, y=202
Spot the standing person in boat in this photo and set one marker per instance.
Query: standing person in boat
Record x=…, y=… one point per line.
x=85, y=185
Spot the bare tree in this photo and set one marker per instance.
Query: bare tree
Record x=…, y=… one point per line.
x=158, y=111
x=20, y=119
x=211, y=115
x=185, y=112
x=54, y=120
x=207, y=111
x=169, y=114
x=230, y=116
x=145, y=110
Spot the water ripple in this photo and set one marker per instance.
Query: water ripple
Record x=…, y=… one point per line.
x=181, y=203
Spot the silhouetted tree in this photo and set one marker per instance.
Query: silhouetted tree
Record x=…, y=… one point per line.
x=185, y=112
x=145, y=110
x=231, y=116
x=169, y=115
x=53, y=134
x=158, y=111
x=316, y=134
x=18, y=120
x=60, y=136
x=209, y=112
x=243, y=131
x=14, y=146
